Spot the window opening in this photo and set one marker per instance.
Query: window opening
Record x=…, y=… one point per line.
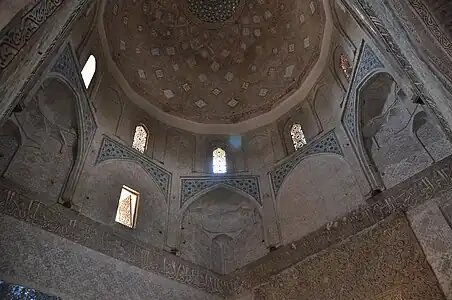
x=345, y=66
x=298, y=138
x=140, y=138
x=219, y=161
x=88, y=70
x=127, y=207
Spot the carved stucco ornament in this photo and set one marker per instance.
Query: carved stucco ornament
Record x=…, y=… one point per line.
x=368, y=62
x=20, y=30
x=403, y=62
x=328, y=143
x=192, y=186
x=65, y=68
x=111, y=149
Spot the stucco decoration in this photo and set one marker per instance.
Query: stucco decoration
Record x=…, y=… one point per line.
x=193, y=186
x=75, y=227
x=20, y=30
x=16, y=291
x=440, y=12
x=213, y=63
x=328, y=143
x=222, y=230
x=382, y=263
x=405, y=65
x=66, y=67
x=111, y=149
x=10, y=140
x=367, y=62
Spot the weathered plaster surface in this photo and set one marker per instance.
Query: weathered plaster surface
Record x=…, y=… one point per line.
x=384, y=262
x=47, y=262
x=434, y=233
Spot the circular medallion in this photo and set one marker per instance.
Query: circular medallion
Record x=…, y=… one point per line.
x=213, y=11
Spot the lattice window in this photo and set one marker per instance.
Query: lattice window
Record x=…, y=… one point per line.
x=345, y=66
x=127, y=207
x=219, y=161
x=298, y=138
x=140, y=139
x=88, y=70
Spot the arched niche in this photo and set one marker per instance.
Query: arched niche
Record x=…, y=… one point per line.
x=10, y=140
x=259, y=152
x=307, y=117
x=386, y=141
x=180, y=151
x=109, y=109
x=348, y=29
x=430, y=136
x=318, y=190
x=98, y=193
x=342, y=66
x=222, y=230
x=326, y=108
x=46, y=157
x=83, y=27
x=232, y=145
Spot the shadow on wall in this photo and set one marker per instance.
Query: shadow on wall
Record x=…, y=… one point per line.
x=10, y=141
x=222, y=230
x=318, y=190
x=98, y=193
x=398, y=135
x=46, y=154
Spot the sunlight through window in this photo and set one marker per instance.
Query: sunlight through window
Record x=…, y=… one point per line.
x=298, y=138
x=88, y=70
x=219, y=161
x=127, y=207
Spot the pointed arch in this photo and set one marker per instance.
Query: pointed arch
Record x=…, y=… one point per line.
x=140, y=138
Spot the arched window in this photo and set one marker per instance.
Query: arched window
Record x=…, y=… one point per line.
x=126, y=214
x=297, y=134
x=140, y=139
x=345, y=66
x=219, y=161
x=88, y=70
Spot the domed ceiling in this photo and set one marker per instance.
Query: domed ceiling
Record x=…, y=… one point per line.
x=214, y=61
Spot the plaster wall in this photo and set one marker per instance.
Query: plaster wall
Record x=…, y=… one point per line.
x=222, y=230
x=370, y=265
x=51, y=264
x=414, y=38
x=318, y=190
x=48, y=139
x=431, y=224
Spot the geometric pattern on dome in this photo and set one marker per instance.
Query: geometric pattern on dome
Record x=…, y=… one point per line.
x=367, y=62
x=328, y=143
x=214, y=72
x=192, y=186
x=213, y=10
x=111, y=149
